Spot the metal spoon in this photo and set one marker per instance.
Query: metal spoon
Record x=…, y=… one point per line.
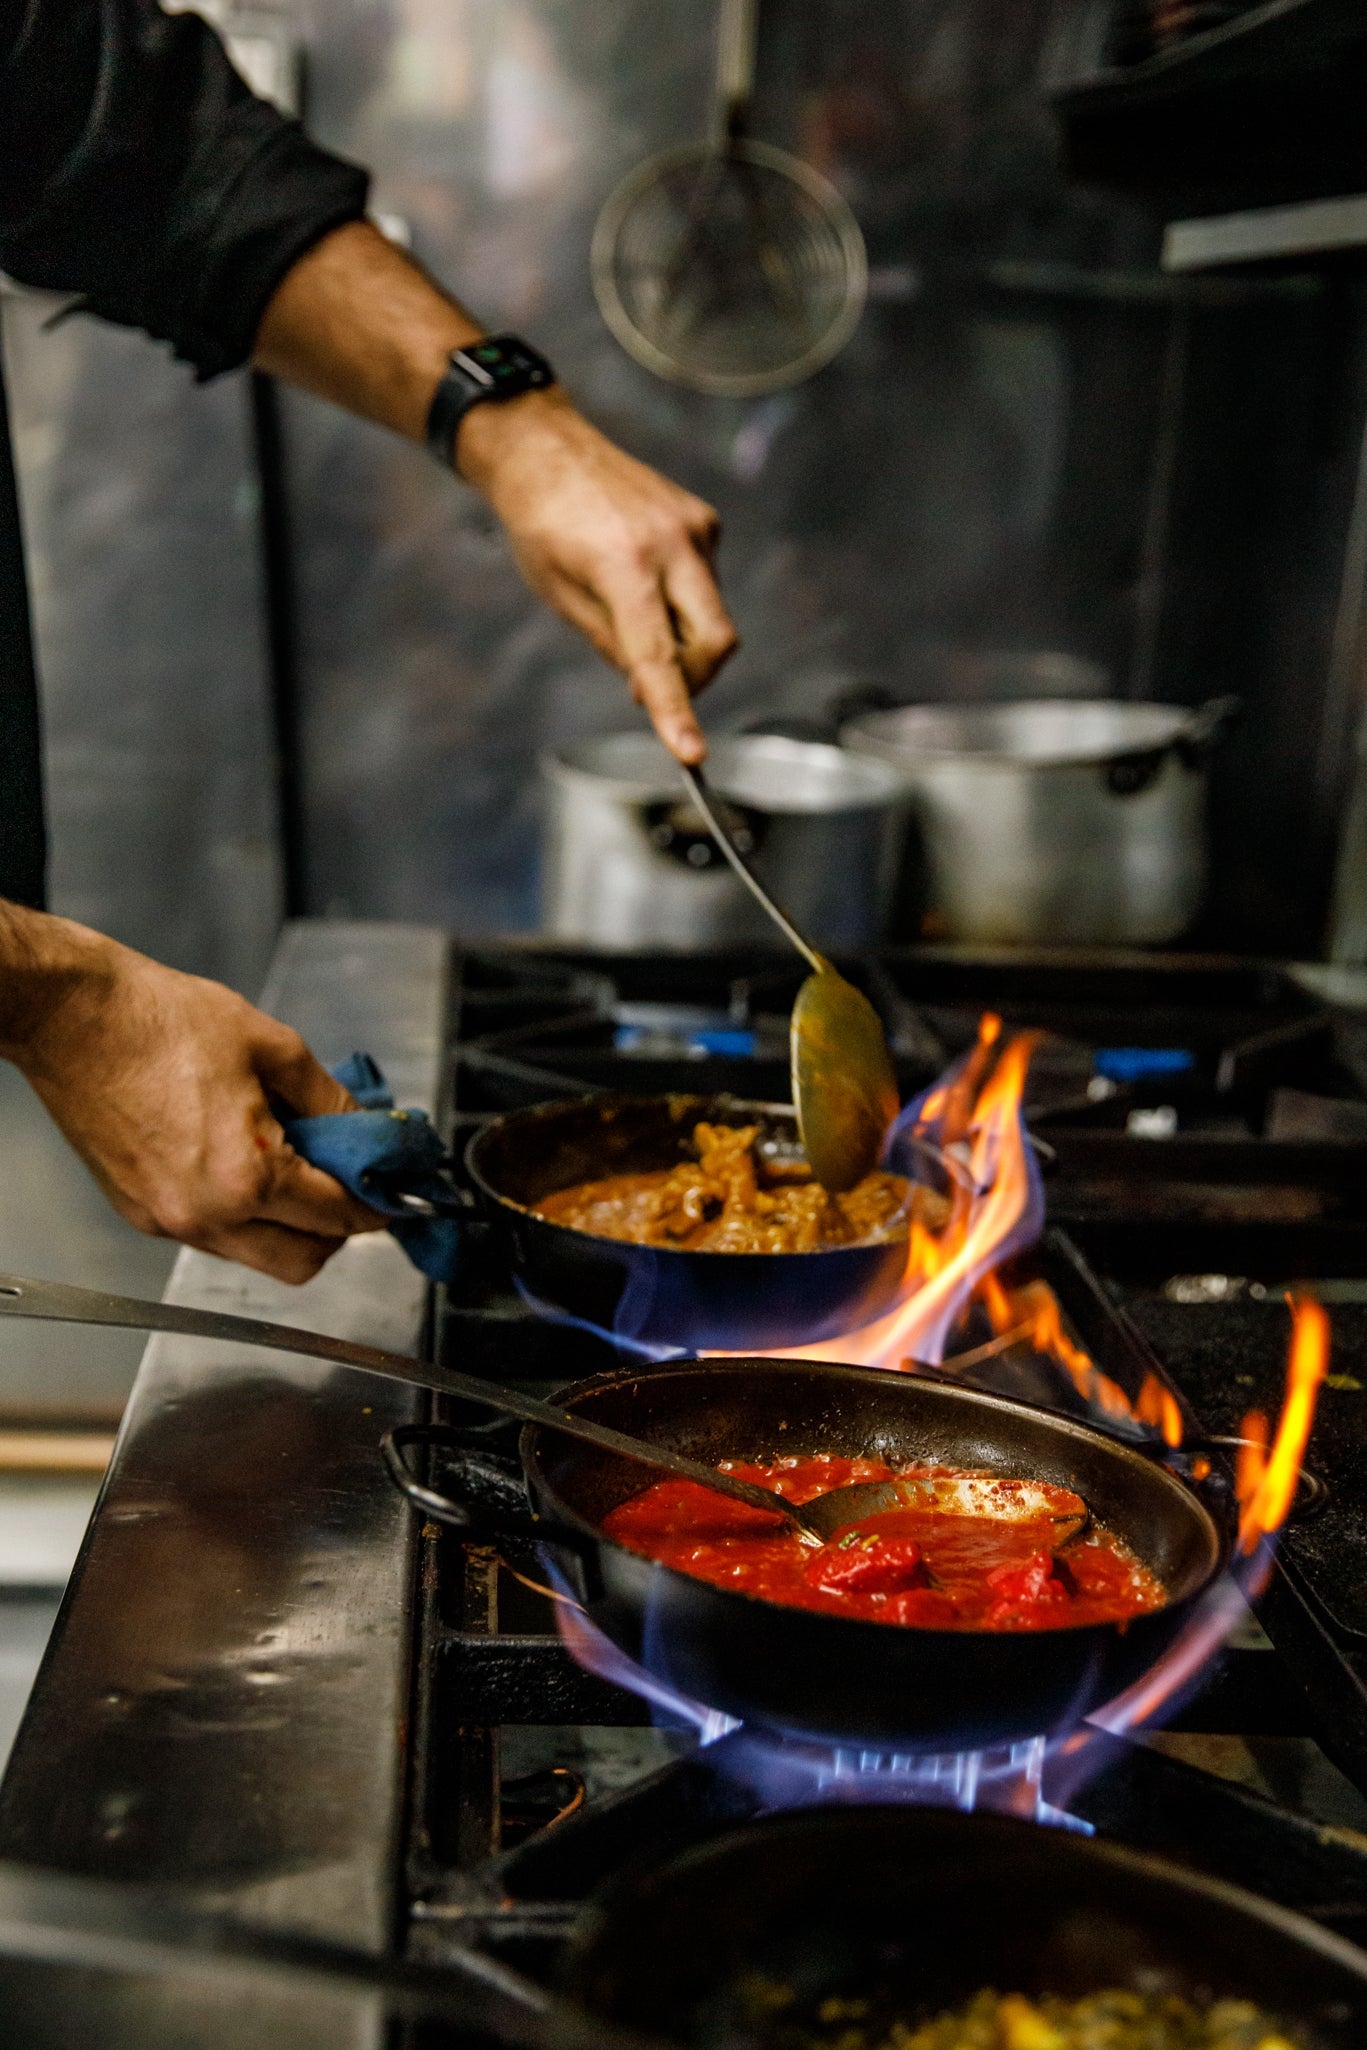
x=844, y=1087
x=816, y=1521
x=954, y=1494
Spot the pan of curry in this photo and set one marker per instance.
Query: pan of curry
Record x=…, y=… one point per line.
x=1036, y=1567
x=685, y=1223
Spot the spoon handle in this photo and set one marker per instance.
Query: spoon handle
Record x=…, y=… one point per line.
x=702, y=797
x=58, y=1302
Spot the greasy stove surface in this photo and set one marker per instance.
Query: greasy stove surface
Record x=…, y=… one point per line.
x=1230, y=1357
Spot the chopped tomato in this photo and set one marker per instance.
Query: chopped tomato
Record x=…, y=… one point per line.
x=1025, y=1592
x=924, y=1566
x=874, y=1565
x=928, y=1608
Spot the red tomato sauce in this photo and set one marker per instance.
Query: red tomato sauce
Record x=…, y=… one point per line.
x=922, y=1567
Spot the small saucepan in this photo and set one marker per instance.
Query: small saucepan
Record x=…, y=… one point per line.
x=657, y=1296
x=829, y=1676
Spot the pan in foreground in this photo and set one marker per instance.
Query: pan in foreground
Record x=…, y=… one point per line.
x=913, y=1911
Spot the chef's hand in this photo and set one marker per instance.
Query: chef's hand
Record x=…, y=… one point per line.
x=612, y=546
x=618, y=550
x=168, y=1087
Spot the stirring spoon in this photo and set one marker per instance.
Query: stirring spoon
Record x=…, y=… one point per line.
x=844, y=1087
x=959, y=1494
x=816, y=1521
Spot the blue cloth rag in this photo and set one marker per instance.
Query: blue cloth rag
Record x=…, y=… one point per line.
x=382, y=1155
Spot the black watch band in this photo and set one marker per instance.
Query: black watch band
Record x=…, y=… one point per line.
x=494, y=368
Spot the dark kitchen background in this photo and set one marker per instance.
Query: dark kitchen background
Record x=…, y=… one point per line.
x=1036, y=440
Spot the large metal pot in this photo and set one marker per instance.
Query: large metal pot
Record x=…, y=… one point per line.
x=628, y=861
x=1054, y=821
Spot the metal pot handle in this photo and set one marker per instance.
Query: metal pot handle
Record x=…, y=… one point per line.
x=856, y=699
x=502, y=1525
x=1312, y=1490
x=1126, y=775
x=1208, y=727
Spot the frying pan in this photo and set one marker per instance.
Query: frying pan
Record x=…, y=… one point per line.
x=656, y=1296
x=915, y=1909
x=834, y=1677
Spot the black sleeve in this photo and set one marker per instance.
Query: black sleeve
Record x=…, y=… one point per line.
x=138, y=170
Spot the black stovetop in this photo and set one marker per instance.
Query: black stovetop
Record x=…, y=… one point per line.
x=534, y=1781
x=1195, y=1114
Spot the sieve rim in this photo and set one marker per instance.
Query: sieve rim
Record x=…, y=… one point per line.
x=715, y=383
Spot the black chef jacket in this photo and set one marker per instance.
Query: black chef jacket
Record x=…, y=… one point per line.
x=139, y=172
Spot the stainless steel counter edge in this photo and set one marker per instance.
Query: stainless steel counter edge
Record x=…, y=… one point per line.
x=221, y=1709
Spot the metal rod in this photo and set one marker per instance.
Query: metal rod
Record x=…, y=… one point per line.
x=58, y=1302
x=736, y=37
x=55, y=1451
x=702, y=797
x=282, y=639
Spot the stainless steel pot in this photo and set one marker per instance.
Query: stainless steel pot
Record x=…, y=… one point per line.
x=629, y=861
x=1057, y=821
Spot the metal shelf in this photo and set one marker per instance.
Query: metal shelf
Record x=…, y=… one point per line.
x=1261, y=115
x=1311, y=228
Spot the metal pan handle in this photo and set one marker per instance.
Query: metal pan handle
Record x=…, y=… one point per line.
x=501, y=1524
x=1208, y=727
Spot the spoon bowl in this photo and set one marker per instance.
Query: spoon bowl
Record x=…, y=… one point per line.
x=844, y=1085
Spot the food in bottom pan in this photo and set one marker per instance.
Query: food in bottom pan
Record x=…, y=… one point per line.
x=931, y=1565
x=730, y=1201
x=1112, y=2020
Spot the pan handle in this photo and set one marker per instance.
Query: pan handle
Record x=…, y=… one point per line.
x=1209, y=725
x=503, y=1522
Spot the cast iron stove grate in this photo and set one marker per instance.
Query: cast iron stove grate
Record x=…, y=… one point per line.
x=1194, y=1114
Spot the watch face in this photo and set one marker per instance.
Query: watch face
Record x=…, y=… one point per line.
x=503, y=364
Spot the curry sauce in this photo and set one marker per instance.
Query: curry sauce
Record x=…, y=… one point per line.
x=726, y=1201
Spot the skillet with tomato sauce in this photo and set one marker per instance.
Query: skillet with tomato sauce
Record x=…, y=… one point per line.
x=922, y=1567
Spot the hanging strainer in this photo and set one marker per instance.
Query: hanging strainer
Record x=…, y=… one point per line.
x=730, y=266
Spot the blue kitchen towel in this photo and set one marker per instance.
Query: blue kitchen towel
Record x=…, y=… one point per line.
x=382, y=1155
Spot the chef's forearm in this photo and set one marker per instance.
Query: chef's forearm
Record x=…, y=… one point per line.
x=358, y=322
x=619, y=551
x=45, y=963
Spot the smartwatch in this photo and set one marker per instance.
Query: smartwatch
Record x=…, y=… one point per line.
x=496, y=367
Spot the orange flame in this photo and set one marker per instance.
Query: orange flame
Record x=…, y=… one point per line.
x=1036, y=1316
x=978, y=1113
x=1265, y=1482
x=981, y=1136
x=1158, y=1407
x=975, y=1115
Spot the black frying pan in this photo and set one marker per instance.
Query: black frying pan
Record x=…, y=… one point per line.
x=836, y=1677
x=679, y=1301
x=915, y=1910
